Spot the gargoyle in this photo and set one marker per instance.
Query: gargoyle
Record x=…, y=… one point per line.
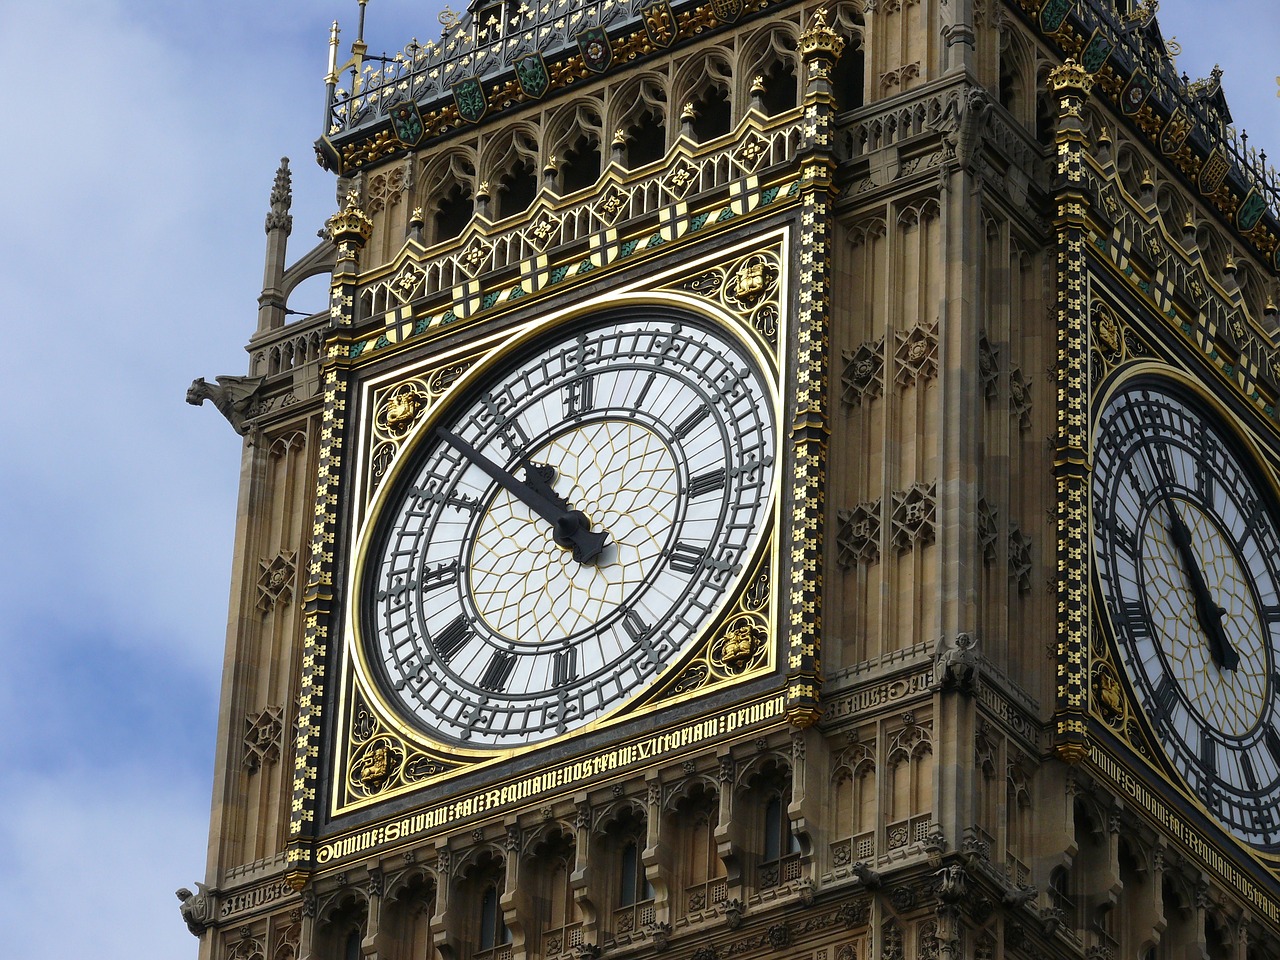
x=870, y=878
x=1019, y=897
x=963, y=124
x=233, y=396
x=196, y=908
x=952, y=883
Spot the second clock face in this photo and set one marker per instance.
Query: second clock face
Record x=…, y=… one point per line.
x=1188, y=554
x=568, y=526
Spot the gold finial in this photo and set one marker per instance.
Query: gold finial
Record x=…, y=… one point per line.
x=1104, y=135
x=688, y=114
x=332, y=77
x=819, y=40
x=1071, y=76
x=549, y=170
x=416, y=224
x=620, y=137
x=1147, y=182
x=1229, y=267
x=757, y=86
x=1270, y=309
x=482, y=191
x=1189, y=223
x=351, y=224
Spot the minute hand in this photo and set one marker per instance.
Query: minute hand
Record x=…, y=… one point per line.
x=569, y=528
x=1207, y=612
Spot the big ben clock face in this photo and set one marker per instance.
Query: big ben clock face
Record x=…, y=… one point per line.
x=1188, y=560
x=567, y=526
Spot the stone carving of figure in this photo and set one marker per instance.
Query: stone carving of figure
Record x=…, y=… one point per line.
x=233, y=396
x=196, y=908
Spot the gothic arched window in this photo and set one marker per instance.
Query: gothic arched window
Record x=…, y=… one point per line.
x=493, y=931
x=698, y=867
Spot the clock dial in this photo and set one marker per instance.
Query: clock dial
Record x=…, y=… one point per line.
x=567, y=527
x=1188, y=561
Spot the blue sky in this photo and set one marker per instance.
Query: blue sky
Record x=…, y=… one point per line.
x=143, y=138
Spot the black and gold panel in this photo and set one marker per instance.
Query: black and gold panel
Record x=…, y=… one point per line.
x=565, y=529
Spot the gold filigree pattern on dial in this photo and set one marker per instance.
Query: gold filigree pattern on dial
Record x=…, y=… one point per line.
x=626, y=481
x=398, y=409
x=1236, y=698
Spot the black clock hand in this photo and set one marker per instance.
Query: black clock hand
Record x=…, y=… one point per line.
x=1207, y=612
x=569, y=528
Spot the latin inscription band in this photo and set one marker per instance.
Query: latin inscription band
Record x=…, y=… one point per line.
x=554, y=778
x=1209, y=855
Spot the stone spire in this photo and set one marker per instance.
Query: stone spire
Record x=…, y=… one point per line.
x=271, y=305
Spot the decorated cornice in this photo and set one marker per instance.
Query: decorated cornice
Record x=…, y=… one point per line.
x=482, y=67
x=702, y=189
x=1186, y=122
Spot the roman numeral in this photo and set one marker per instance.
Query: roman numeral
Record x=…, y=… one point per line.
x=498, y=671
x=1208, y=752
x=433, y=578
x=1166, y=695
x=685, y=426
x=705, y=483
x=644, y=391
x=1135, y=618
x=1250, y=777
x=1273, y=743
x=636, y=628
x=1125, y=538
x=564, y=667
x=1167, y=474
x=506, y=428
x=1204, y=481
x=452, y=638
x=579, y=396
x=1255, y=514
x=686, y=558
x=638, y=631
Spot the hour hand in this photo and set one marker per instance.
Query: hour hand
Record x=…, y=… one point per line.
x=569, y=528
x=1208, y=613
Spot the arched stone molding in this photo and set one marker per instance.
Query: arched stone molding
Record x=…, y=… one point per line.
x=574, y=133
x=706, y=82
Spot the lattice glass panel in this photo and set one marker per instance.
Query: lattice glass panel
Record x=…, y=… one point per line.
x=1017, y=871
x=864, y=846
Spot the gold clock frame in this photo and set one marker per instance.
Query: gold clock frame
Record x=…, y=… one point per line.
x=371, y=732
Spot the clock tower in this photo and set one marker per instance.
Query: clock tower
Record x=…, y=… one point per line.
x=772, y=480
